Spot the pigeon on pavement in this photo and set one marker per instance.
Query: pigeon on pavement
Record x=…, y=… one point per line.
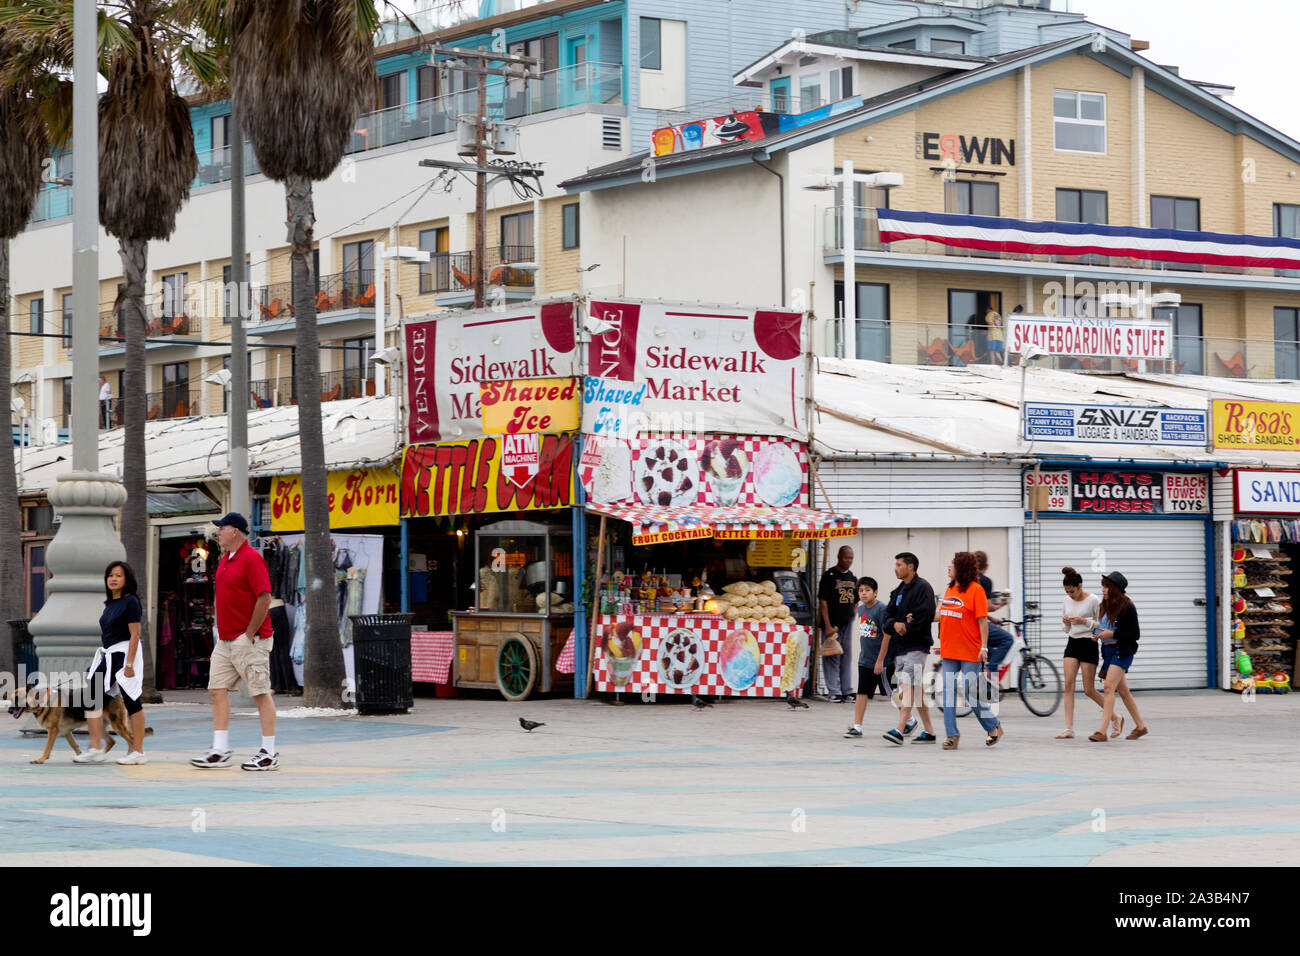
x=794, y=702
x=699, y=703
x=530, y=725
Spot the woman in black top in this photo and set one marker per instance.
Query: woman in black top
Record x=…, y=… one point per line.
x=116, y=668
x=1118, y=647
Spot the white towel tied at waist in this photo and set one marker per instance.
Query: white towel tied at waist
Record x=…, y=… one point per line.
x=134, y=686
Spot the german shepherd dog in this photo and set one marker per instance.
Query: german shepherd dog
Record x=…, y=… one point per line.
x=60, y=719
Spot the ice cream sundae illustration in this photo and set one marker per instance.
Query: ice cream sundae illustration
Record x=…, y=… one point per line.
x=622, y=646
x=726, y=466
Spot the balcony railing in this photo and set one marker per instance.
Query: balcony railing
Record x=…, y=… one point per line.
x=335, y=292
x=454, y=271
x=957, y=345
x=740, y=101
x=113, y=332
x=866, y=238
x=173, y=402
x=336, y=384
x=578, y=85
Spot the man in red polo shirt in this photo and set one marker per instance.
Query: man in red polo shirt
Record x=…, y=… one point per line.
x=243, y=648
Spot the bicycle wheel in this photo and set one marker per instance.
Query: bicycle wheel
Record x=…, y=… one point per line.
x=1040, y=685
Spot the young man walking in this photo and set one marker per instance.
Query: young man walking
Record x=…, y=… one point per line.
x=243, y=648
x=837, y=596
x=908, y=618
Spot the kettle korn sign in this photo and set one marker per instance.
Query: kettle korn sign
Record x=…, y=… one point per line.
x=1096, y=338
x=1115, y=424
x=1110, y=492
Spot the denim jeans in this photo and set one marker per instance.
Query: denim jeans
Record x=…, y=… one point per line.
x=1000, y=642
x=967, y=672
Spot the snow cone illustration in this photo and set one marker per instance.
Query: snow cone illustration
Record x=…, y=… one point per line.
x=726, y=466
x=622, y=646
x=739, y=660
x=778, y=479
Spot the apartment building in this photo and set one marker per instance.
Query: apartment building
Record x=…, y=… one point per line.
x=1080, y=129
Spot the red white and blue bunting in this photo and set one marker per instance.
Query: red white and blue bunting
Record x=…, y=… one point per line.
x=1076, y=239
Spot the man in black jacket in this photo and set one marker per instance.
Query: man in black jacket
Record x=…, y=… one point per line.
x=907, y=636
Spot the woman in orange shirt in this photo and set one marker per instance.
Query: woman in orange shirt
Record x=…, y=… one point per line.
x=964, y=646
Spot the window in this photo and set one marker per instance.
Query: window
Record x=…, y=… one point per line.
x=435, y=275
x=1286, y=348
x=175, y=390
x=392, y=90
x=36, y=577
x=873, y=319
x=1080, y=121
x=947, y=46
x=969, y=198
x=866, y=200
x=651, y=44
x=220, y=140
x=39, y=518
x=36, y=311
x=1168, y=212
x=522, y=97
x=570, y=226
x=1082, y=205
x=358, y=265
x=228, y=307
x=426, y=81
x=173, y=294
x=903, y=45
x=1189, y=347
x=1286, y=224
x=517, y=237
x=968, y=336
x=841, y=83
x=356, y=365
x=65, y=419
x=67, y=321
x=810, y=92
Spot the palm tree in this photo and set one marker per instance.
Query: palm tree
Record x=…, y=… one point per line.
x=301, y=72
x=23, y=144
x=146, y=164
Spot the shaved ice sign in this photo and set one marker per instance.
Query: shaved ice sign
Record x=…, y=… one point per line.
x=702, y=368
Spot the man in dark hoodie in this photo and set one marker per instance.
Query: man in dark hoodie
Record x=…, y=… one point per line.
x=908, y=637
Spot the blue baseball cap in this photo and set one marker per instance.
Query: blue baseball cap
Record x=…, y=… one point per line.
x=235, y=520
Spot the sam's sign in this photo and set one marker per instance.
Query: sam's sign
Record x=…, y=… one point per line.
x=984, y=150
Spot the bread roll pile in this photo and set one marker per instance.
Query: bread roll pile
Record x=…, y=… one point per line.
x=751, y=601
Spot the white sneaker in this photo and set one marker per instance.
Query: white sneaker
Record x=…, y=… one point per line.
x=133, y=758
x=89, y=756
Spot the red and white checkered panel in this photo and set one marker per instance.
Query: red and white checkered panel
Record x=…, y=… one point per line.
x=564, y=663
x=712, y=632
x=431, y=656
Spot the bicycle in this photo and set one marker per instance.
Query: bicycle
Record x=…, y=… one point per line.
x=1034, y=676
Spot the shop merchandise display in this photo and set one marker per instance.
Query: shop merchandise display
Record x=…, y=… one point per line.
x=1263, y=623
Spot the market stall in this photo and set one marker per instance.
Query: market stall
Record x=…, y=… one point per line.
x=686, y=603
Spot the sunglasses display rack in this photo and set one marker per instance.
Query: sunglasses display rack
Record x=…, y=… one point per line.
x=1263, y=623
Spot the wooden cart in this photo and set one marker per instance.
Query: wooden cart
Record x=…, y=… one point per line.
x=513, y=653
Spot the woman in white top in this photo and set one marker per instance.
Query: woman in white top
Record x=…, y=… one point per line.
x=1078, y=618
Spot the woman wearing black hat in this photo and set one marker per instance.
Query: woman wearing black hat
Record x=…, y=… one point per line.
x=1118, y=646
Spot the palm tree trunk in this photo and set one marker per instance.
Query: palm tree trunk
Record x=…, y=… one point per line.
x=134, y=530
x=323, y=671
x=11, y=557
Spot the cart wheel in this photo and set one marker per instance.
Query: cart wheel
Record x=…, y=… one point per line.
x=516, y=667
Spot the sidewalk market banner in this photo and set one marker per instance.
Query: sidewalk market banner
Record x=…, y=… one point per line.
x=706, y=368
x=486, y=475
x=448, y=358
x=1244, y=424
x=359, y=498
x=997, y=234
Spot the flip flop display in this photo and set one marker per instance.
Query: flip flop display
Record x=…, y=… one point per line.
x=1263, y=624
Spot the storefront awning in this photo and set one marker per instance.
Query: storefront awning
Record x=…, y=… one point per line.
x=655, y=525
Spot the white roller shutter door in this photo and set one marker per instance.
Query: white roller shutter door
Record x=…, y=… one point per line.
x=1164, y=561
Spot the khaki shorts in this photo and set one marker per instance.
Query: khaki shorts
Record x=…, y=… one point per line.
x=241, y=659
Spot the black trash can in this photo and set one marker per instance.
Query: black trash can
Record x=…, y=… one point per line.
x=25, y=661
x=381, y=647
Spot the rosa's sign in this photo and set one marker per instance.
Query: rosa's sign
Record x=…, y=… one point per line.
x=704, y=368
x=1100, y=338
x=447, y=360
x=1242, y=424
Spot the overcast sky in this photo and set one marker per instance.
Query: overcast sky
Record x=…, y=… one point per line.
x=1249, y=44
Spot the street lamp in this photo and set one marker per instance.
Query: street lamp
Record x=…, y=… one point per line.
x=382, y=253
x=846, y=178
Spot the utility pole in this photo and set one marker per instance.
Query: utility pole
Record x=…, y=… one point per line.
x=482, y=70
x=239, y=391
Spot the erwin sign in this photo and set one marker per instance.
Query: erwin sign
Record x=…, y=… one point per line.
x=983, y=150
